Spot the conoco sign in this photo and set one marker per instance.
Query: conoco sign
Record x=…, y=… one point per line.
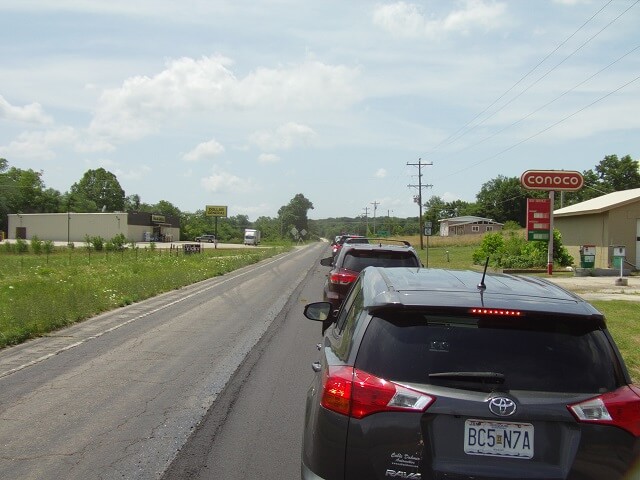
x=552, y=180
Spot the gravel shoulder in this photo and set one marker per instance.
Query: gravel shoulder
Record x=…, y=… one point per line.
x=601, y=288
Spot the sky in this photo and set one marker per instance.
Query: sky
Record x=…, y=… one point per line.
x=246, y=103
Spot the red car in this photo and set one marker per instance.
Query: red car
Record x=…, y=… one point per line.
x=337, y=244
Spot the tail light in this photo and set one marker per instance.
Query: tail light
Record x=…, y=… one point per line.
x=355, y=393
x=343, y=277
x=620, y=408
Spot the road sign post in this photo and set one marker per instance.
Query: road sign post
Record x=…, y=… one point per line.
x=216, y=211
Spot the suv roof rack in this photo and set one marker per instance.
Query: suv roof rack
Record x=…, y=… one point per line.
x=382, y=240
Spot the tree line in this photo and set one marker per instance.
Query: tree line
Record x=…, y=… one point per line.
x=24, y=191
x=501, y=199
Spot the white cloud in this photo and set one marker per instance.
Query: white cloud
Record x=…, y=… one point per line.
x=143, y=104
x=408, y=19
x=210, y=149
x=268, y=158
x=31, y=113
x=134, y=173
x=40, y=145
x=223, y=182
x=381, y=173
x=284, y=137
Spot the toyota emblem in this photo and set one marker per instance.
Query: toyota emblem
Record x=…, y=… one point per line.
x=502, y=406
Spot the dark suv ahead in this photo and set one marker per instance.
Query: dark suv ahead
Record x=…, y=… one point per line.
x=442, y=374
x=353, y=257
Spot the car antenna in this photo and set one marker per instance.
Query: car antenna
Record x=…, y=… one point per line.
x=481, y=285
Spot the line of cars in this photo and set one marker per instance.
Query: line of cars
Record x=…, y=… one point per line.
x=446, y=374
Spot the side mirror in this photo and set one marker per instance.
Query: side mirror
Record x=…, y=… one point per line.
x=327, y=262
x=319, y=311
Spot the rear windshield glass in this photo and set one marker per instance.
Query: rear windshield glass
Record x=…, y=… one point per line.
x=356, y=260
x=465, y=352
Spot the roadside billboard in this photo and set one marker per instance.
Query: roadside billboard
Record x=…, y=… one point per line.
x=216, y=211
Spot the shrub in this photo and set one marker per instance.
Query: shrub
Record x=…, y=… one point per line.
x=49, y=247
x=118, y=242
x=22, y=246
x=511, y=225
x=36, y=245
x=511, y=250
x=96, y=242
x=8, y=247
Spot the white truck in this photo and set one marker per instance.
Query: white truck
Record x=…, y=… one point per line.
x=251, y=236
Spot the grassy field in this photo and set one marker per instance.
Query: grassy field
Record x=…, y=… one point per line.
x=447, y=252
x=41, y=293
x=622, y=320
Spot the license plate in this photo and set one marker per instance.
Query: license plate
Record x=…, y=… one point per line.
x=498, y=439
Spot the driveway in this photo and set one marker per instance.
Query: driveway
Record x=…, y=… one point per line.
x=600, y=288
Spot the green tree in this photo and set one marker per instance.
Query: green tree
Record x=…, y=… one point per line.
x=618, y=174
x=132, y=203
x=165, y=207
x=612, y=174
x=269, y=227
x=294, y=214
x=503, y=199
x=100, y=187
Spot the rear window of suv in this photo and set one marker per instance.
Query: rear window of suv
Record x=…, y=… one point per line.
x=356, y=260
x=553, y=355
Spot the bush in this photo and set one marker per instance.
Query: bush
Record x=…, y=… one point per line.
x=49, y=247
x=511, y=225
x=22, y=246
x=511, y=250
x=8, y=247
x=118, y=242
x=96, y=242
x=36, y=245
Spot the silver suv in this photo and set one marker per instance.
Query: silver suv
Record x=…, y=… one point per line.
x=206, y=238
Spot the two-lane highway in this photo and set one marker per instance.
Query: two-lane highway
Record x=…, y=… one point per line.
x=210, y=371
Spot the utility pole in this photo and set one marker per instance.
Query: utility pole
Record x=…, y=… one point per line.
x=418, y=198
x=375, y=207
x=366, y=218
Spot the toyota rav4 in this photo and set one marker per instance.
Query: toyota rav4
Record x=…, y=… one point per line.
x=443, y=374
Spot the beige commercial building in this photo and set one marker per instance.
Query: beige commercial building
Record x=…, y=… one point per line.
x=605, y=222
x=75, y=227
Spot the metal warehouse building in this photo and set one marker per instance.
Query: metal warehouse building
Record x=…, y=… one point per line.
x=75, y=227
x=603, y=222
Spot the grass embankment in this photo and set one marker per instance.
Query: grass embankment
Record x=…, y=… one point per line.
x=41, y=293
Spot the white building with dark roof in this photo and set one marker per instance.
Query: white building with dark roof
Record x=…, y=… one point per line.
x=467, y=225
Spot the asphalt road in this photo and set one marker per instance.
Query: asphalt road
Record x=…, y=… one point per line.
x=254, y=429
x=118, y=396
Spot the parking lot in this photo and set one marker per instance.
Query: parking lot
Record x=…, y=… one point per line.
x=600, y=288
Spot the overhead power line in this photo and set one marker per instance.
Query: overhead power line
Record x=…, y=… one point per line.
x=502, y=130
x=461, y=131
x=491, y=157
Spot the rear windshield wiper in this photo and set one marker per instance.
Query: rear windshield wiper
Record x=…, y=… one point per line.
x=480, y=377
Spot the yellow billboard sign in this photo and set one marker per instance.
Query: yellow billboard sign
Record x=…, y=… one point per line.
x=216, y=211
